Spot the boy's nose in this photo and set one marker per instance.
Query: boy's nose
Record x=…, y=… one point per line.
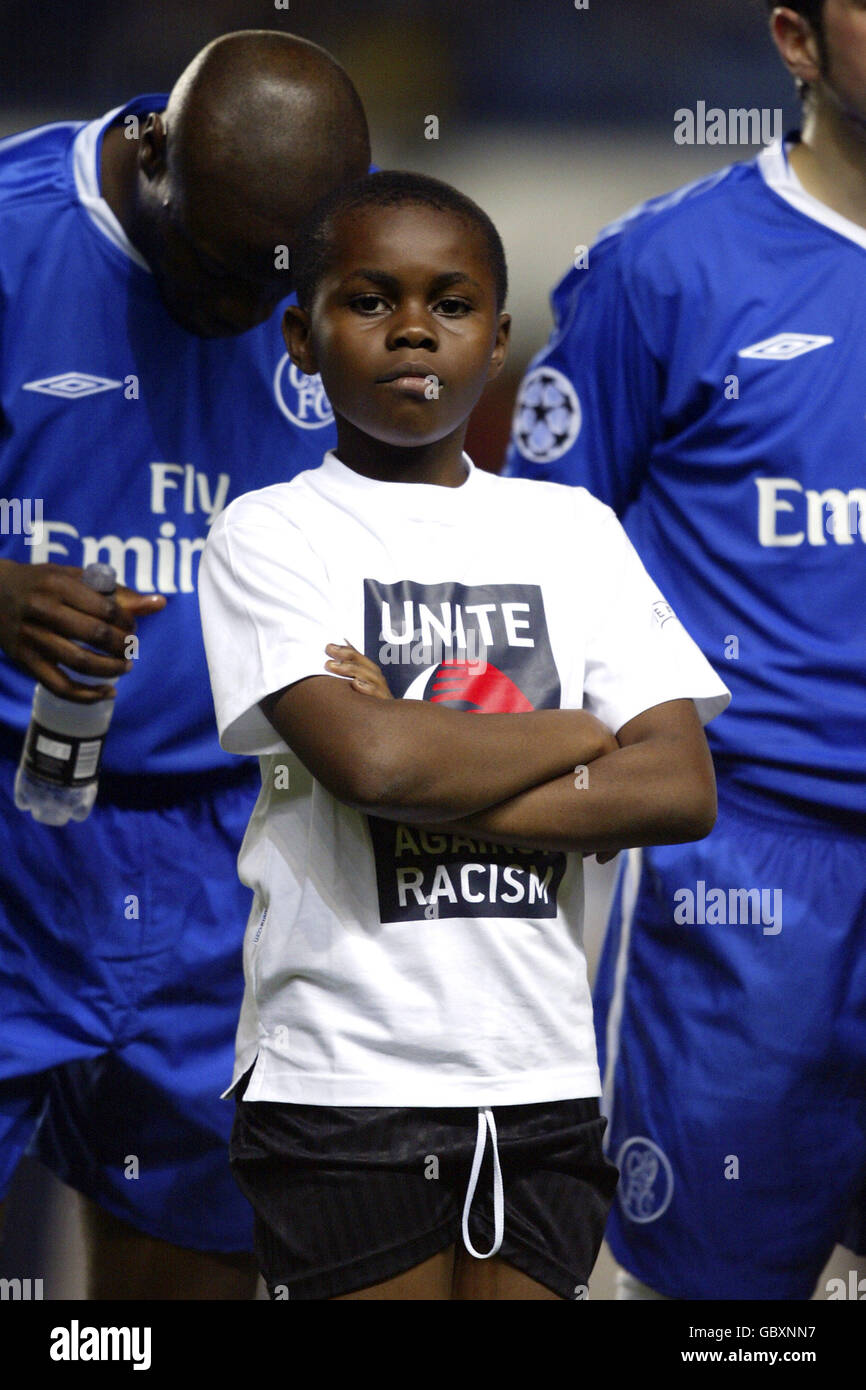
x=413, y=333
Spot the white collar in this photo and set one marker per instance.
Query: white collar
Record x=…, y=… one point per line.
x=429, y=501
x=84, y=156
x=777, y=173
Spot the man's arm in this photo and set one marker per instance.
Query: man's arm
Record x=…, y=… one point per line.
x=613, y=389
x=411, y=760
x=658, y=787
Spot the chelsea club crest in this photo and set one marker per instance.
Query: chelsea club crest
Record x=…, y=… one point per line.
x=301, y=398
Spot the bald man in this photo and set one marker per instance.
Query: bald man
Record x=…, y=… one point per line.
x=143, y=385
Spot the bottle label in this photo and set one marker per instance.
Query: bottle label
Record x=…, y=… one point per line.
x=62, y=759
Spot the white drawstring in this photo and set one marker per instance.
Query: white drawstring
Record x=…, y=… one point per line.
x=485, y=1121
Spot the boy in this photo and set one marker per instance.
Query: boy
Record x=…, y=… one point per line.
x=413, y=956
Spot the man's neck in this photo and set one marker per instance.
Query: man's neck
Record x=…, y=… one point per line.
x=830, y=162
x=118, y=171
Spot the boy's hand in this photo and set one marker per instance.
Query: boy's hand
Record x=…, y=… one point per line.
x=362, y=673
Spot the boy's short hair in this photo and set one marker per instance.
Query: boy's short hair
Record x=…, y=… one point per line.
x=387, y=188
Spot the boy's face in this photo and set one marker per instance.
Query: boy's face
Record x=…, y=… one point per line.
x=405, y=330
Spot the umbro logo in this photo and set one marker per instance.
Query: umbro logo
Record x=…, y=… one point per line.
x=785, y=346
x=71, y=386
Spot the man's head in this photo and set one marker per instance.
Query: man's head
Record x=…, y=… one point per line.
x=257, y=129
x=401, y=281
x=823, y=46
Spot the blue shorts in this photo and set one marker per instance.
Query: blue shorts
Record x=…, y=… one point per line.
x=732, y=1040
x=121, y=986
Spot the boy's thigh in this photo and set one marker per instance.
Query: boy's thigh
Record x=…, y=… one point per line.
x=496, y=1280
x=430, y=1281
x=734, y=1060
x=454, y=1274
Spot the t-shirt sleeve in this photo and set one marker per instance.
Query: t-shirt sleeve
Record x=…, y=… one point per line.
x=638, y=654
x=266, y=618
x=588, y=409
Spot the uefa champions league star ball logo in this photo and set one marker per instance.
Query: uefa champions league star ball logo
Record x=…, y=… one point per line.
x=301, y=398
x=547, y=416
x=646, y=1180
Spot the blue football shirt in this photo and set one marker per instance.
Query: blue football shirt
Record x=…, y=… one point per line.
x=705, y=377
x=125, y=433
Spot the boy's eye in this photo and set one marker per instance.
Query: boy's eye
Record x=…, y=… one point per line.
x=452, y=307
x=368, y=303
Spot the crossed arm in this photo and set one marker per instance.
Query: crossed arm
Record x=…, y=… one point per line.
x=509, y=776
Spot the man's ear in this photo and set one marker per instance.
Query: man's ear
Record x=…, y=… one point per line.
x=797, y=43
x=151, y=146
x=298, y=339
x=500, y=347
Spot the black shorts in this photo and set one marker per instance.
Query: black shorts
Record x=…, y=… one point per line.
x=347, y=1198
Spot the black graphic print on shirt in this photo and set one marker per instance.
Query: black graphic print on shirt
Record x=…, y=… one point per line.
x=482, y=648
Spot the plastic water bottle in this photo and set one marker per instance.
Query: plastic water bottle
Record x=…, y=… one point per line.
x=58, y=773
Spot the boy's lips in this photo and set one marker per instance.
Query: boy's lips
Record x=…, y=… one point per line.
x=412, y=376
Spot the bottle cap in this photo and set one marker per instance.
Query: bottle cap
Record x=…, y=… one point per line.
x=100, y=577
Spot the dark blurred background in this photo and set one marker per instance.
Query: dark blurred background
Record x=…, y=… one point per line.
x=556, y=119
x=621, y=63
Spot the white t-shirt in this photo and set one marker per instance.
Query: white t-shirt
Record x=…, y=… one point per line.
x=385, y=964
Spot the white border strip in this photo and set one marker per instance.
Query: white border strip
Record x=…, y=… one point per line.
x=87, y=187
x=778, y=174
